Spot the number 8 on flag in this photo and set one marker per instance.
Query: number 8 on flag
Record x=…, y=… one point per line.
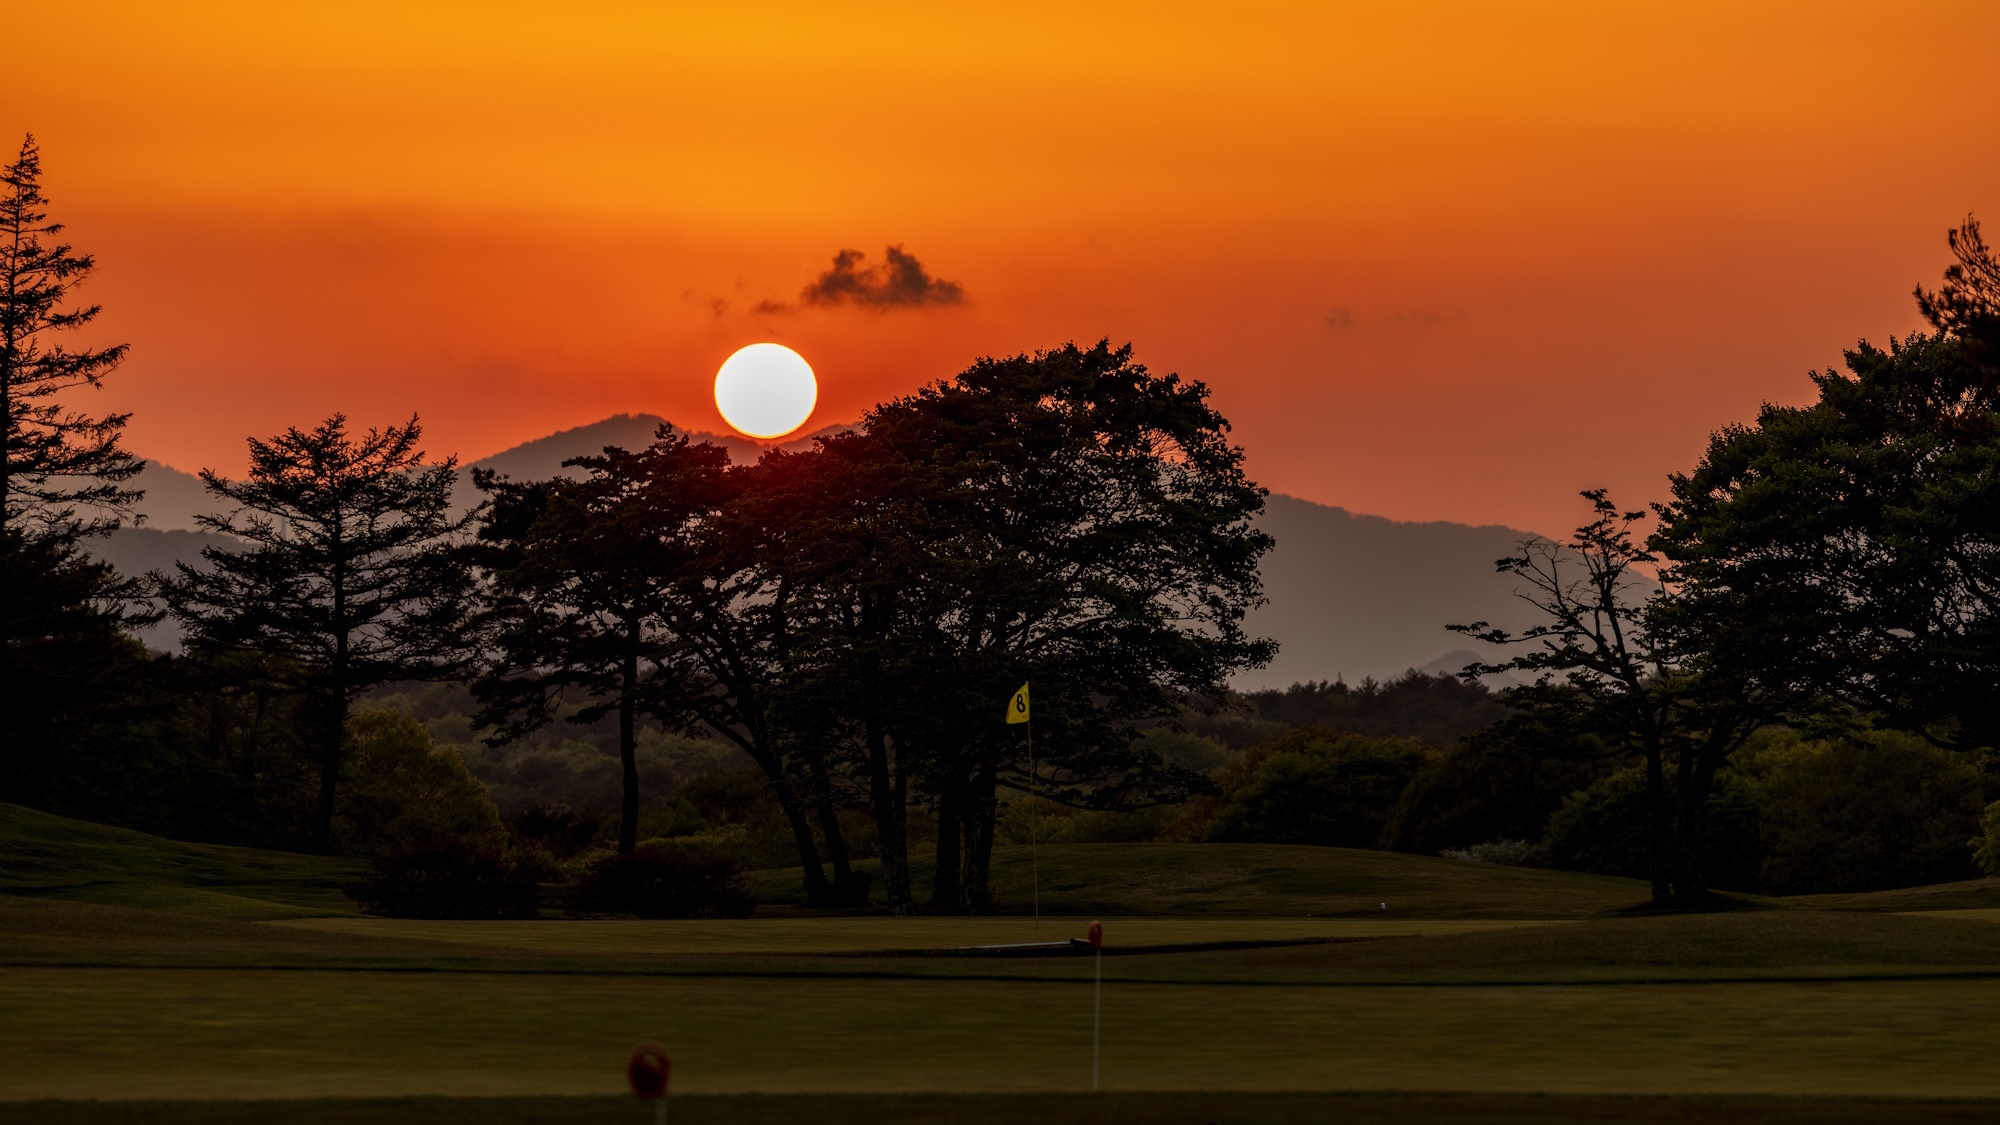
x=1017, y=711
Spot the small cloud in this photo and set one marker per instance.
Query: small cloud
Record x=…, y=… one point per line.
x=899, y=282
x=715, y=305
x=1340, y=318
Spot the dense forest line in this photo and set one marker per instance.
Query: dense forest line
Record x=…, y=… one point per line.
x=624, y=686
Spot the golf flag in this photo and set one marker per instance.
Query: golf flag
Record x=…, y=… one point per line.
x=1017, y=711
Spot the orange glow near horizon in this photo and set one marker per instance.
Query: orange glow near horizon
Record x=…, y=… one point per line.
x=1441, y=260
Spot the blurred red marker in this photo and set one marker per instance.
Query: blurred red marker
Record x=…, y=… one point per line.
x=647, y=1071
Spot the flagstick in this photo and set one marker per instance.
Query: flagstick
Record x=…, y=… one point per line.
x=1034, y=836
x=1096, y=1017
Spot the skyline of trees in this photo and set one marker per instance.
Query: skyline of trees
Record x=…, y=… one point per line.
x=851, y=618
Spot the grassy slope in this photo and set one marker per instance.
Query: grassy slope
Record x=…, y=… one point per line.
x=120, y=954
x=1270, y=880
x=54, y=856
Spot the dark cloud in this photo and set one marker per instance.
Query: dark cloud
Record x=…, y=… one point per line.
x=899, y=282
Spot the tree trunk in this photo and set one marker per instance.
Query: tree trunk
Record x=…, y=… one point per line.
x=1697, y=777
x=982, y=810
x=329, y=777
x=628, y=743
x=885, y=792
x=947, y=892
x=844, y=890
x=333, y=739
x=818, y=891
x=1659, y=829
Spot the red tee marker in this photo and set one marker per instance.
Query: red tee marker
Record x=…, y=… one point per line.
x=647, y=1071
x=1097, y=935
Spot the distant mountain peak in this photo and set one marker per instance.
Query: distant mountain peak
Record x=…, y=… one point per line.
x=1349, y=595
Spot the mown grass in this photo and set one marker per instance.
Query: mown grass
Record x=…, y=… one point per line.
x=1268, y=881
x=138, y=969
x=1232, y=1108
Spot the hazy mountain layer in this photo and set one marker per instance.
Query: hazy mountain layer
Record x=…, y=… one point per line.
x=1349, y=595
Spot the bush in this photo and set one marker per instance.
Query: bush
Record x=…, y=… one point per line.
x=1988, y=845
x=662, y=880
x=1603, y=830
x=556, y=829
x=447, y=879
x=403, y=792
x=734, y=813
x=1506, y=853
x=1879, y=811
x=1024, y=819
x=1504, y=784
x=1315, y=786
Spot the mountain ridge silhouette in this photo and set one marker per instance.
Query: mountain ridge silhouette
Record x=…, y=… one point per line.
x=1348, y=595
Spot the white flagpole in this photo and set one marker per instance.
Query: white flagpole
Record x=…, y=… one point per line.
x=1096, y=1017
x=1034, y=824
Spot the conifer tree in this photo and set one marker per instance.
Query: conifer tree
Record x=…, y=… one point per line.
x=63, y=651
x=355, y=573
x=54, y=460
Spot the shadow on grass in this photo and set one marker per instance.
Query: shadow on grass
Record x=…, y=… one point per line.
x=1044, y=1109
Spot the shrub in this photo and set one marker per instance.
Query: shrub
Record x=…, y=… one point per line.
x=1315, y=786
x=1988, y=845
x=1603, y=830
x=557, y=829
x=1507, y=853
x=1879, y=811
x=1023, y=819
x=733, y=813
x=662, y=880
x=447, y=879
x=403, y=792
x=1500, y=785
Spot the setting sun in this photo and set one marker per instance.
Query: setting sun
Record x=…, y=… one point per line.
x=765, y=390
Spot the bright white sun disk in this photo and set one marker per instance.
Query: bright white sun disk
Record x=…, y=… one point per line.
x=766, y=390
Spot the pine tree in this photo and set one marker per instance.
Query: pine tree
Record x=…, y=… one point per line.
x=63, y=651
x=355, y=574
x=54, y=461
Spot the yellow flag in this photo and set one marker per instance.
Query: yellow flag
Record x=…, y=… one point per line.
x=1017, y=711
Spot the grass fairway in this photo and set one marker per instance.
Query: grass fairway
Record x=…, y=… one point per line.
x=147, y=972
x=1268, y=881
x=1011, y=1109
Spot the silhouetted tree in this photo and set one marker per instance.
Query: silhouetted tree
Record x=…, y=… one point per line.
x=354, y=573
x=1084, y=525
x=1856, y=541
x=70, y=661
x=734, y=608
x=64, y=653
x=53, y=460
x=579, y=590
x=1631, y=658
x=1967, y=306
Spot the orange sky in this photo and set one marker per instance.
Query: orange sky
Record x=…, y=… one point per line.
x=1437, y=261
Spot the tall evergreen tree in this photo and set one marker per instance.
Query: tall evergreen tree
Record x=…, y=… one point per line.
x=355, y=573
x=63, y=649
x=54, y=460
